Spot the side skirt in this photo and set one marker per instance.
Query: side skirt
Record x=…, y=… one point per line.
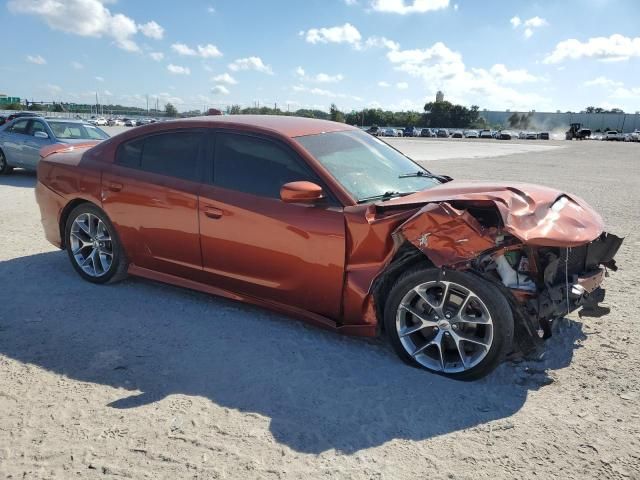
x=309, y=317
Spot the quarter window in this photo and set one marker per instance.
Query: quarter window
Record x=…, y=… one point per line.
x=175, y=154
x=256, y=166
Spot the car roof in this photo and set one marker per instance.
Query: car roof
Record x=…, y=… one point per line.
x=288, y=126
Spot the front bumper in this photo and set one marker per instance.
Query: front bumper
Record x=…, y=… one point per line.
x=573, y=280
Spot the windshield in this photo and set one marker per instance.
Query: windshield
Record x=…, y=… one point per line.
x=76, y=131
x=366, y=166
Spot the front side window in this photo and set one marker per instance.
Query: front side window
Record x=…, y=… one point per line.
x=37, y=126
x=174, y=154
x=366, y=166
x=256, y=166
x=20, y=126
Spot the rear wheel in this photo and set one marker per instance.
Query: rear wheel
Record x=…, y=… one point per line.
x=93, y=245
x=456, y=325
x=5, y=169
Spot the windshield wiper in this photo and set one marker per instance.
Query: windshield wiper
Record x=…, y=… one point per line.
x=384, y=196
x=426, y=174
x=419, y=173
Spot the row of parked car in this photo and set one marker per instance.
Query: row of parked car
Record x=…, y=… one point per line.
x=614, y=136
x=455, y=133
x=121, y=122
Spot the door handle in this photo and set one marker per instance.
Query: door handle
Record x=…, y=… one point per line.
x=114, y=186
x=213, y=212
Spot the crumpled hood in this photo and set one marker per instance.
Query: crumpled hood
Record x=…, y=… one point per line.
x=534, y=214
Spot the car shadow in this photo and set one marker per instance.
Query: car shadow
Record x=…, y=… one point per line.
x=320, y=390
x=19, y=178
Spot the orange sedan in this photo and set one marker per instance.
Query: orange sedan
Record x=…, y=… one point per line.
x=322, y=221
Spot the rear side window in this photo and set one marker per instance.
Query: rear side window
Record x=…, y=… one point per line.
x=256, y=166
x=174, y=154
x=130, y=154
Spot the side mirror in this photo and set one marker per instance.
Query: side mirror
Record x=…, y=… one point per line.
x=301, y=192
x=41, y=134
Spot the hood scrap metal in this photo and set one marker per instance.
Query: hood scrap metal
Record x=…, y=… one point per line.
x=447, y=236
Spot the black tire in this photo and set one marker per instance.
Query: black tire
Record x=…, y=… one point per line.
x=5, y=168
x=119, y=265
x=494, y=300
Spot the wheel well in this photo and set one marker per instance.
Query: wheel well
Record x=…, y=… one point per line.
x=406, y=257
x=65, y=215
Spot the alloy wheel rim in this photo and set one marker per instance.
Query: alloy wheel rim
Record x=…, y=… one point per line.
x=91, y=245
x=3, y=162
x=444, y=326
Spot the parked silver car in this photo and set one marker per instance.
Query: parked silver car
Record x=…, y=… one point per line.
x=22, y=139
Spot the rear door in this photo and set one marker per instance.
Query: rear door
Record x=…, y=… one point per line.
x=150, y=193
x=255, y=244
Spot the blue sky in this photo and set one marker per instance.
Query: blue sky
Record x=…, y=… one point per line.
x=394, y=54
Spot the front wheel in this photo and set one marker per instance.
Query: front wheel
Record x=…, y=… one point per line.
x=93, y=245
x=456, y=324
x=5, y=168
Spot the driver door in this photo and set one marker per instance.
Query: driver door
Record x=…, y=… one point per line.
x=255, y=244
x=33, y=144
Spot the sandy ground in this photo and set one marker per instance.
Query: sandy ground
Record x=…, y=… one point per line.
x=142, y=380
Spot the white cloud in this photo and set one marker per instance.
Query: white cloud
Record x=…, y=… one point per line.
x=324, y=93
x=157, y=56
x=203, y=51
x=220, y=90
x=346, y=33
x=535, y=22
x=152, y=30
x=602, y=82
x=251, y=63
x=320, y=77
x=37, y=59
x=211, y=10
x=384, y=84
x=404, y=7
x=504, y=75
x=224, y=78
x=326, y=78
x=88, y=18
x=626, y=93
x=381, y=42
x=178, y=70
x=351, y=2
x=402, y=85
x=100, y=79
x=456, y=7
x=77, y=65
x=441, y=68
x=529, y=24
x=614, y=48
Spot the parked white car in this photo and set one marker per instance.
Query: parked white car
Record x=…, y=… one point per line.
x=471, y=134
x=612, y=135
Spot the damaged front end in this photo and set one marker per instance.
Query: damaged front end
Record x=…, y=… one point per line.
x=546, y=251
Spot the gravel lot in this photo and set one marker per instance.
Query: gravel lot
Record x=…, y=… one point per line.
x=143, y=380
